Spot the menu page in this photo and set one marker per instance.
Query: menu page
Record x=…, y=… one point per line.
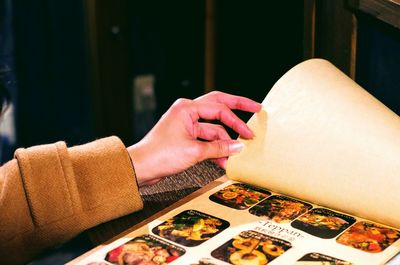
x=237, y=223
x=323, y=138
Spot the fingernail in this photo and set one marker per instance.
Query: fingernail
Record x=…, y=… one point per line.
x=249, y=132
x=235, y=147
x=252, y=133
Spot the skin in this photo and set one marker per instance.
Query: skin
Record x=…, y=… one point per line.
x=181, y=138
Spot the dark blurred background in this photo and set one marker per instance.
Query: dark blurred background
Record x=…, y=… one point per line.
x=80, y=70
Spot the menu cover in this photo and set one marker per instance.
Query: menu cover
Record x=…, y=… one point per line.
x=317, y=185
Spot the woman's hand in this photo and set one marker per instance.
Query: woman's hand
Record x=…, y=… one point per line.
x=173, y=144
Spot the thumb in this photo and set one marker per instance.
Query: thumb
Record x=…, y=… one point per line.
x=220, y=148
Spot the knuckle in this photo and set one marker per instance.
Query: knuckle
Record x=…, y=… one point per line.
x=220, y=131
x=197, y=152
x=181, y=101
x=235, y=125
x=180, y=104
x=219, y=127
x=215, y=93
x=222, y=148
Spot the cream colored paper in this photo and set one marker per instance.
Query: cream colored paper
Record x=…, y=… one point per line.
x=322, y=138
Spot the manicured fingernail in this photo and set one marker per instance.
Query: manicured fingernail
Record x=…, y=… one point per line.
x=235, y=147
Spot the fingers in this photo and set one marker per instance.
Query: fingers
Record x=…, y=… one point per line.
x=232, y=101
x=216, y=106
x=210, y=132
x=217, y=111
x=213, y=132
x=218, y=149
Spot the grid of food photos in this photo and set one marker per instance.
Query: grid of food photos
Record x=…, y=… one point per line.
x=236, y=223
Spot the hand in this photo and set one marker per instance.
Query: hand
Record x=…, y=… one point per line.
x=173, y=144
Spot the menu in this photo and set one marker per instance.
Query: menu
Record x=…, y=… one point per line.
x=317, y=185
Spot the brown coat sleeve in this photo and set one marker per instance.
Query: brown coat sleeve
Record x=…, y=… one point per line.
x=50, y=193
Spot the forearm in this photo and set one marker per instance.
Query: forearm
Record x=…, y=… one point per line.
x=50, y=194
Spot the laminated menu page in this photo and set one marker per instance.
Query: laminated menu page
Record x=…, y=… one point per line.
x=318, y=184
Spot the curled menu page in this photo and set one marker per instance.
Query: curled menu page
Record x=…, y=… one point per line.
x=322, y=138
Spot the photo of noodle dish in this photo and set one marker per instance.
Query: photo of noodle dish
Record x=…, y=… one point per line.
x=239, y=196
x=251, y=247
x=144, y=250
x=190, y=228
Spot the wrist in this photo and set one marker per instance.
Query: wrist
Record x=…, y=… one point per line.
x=141, y=160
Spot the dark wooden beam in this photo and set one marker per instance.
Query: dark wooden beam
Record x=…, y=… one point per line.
x=209, y=54
x=309, y=29
x=385, y=10
x=335, y=34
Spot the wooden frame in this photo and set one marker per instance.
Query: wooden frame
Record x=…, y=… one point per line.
x=385, y=10
x=330, y=28
x=209, y=51
x=330, y=33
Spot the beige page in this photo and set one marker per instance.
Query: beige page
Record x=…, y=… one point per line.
x=322, y=138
